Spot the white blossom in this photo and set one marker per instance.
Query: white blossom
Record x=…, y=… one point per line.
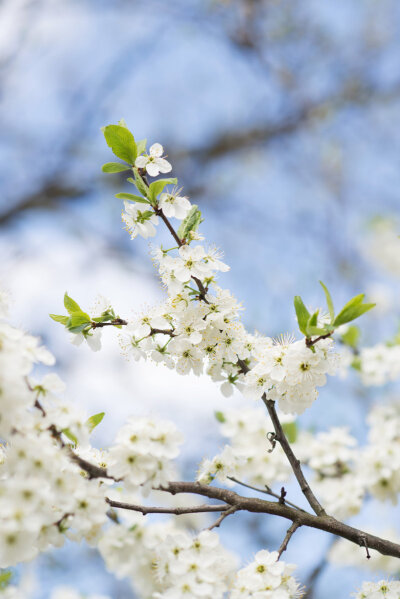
x=153, y=162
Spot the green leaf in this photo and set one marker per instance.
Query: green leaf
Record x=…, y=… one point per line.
x=302, y=314
x=352, y=310
x=114, y=167
x=313, y=320
x=59, y=318
x=311, y=330
x=328, y=301
x=104, y=317
x=78, y=322
x=5, y=579
x=70, y=305
x=141, y=146
x=291, y=431
x=351, y=336
x=140, y=184
x=121, y=142
x=70, y=435
x=94, y=420
x=131, y=197
x=157, y=186
x=220, y=416
x=190, y=223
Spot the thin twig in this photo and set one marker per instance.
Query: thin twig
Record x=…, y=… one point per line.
x=177, y=511
x=224, y=515
x=310, y=342
x=111, y=323
x=290, y=532
x=266, y=491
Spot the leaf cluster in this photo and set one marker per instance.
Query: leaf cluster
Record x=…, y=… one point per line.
x=308, y=323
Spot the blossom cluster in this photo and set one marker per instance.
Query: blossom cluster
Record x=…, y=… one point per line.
x=192, y=336
x=43, y=495
x=193, y=567
x=198, y=327
x=266, y=577
x=143, y=452
x=384, y=589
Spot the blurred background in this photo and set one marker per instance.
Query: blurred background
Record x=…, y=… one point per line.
x=281, y=121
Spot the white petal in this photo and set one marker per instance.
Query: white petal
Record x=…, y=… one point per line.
x=141, y=161
x=163, y=165
x=156, y=150
x=152, y=169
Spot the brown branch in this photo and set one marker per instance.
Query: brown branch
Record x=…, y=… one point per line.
x=111, y=323
x=290, y=532
x=266, y=491
x=92, y=470
x=280, y=436
x=169, y=332
x=310, y=342
x=256, y=505
x=170, y=228
x=177, y=511
x=261, y=506
x=294, y=462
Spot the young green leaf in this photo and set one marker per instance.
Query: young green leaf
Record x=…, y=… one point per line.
x=302, y=314
x=114, y=167
x=141, y=146
x=140, y=184
x=328, y=301
x=290, y=430
x=104, y=317
x=70, y=435
x=190, y=223
x=157, y=186
x=94, y=420
x=59, y=318
x=70, y=305
x=220, y=416
x=131, y=198
x=311, y=330
x=351, y=336
x=121, y=142
x=78, y=322
x=352, y=310
x=5, y=579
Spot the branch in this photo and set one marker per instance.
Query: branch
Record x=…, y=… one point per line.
x=290, y=532
x=111, y=323
x=261, y=506
x=266, y=491
x=281, y=438
x=224, y=515
x=92, y=470
x=311, y=342
x=177, y=511
x=294, y=462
